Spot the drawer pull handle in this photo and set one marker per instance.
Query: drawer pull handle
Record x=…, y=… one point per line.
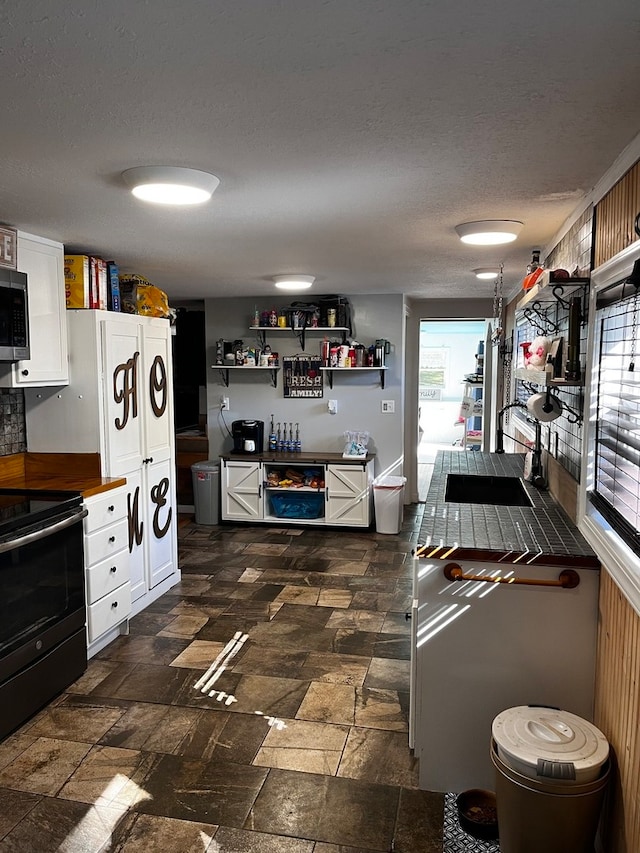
x=111, y=508
x=567, y=579
x=114, y=604
x=113, y=569
x=112, y=539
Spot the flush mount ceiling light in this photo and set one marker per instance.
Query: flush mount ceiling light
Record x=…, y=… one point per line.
x=293, y=282
x=170, y=184
x=486, y=272
x=489, y=232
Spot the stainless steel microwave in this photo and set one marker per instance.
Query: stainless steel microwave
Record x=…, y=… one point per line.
x=14, y=316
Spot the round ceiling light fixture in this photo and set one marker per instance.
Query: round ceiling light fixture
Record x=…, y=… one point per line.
x=489, y=232
x=293, y=281
x=170, y=185
x=488, y=273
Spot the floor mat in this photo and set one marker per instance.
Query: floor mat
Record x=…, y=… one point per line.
x=456, y=840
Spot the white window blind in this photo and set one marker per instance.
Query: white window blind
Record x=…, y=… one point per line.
x=616, y=483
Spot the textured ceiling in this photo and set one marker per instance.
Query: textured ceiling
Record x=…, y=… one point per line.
x=350, y=136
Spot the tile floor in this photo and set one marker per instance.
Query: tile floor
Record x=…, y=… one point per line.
x=298, y=744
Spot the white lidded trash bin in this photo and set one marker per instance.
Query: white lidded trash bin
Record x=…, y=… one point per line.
x=552, y=770
x=388, y=499
x=206, y=491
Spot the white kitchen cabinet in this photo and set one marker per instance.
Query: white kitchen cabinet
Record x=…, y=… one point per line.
x=343, y=496
x=349, y=494
x=241, y=490
x=43, y=262
x=107, y=577
x=119, y=404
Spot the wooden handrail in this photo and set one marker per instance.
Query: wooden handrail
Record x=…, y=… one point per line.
x=567, y=579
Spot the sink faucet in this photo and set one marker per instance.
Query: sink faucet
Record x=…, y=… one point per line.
x=536, y=477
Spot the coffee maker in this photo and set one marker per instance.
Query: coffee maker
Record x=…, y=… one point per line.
x=248, y=436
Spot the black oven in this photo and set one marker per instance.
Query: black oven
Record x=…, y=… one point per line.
x=43, y=646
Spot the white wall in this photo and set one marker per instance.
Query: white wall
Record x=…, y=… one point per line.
x=359, y=395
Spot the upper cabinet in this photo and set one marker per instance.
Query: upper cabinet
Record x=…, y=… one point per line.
x=43, y=262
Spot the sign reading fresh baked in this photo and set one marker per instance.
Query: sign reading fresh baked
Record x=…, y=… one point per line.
x=8, y=246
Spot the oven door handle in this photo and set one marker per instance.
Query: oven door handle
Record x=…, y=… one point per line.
x=28, y=538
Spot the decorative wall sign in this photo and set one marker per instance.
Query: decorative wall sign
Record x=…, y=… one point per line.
x=127, y=393
x=302, y=376
x=8, y=247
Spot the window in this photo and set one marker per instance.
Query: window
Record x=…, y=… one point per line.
x=615, y=487
x=610, y=497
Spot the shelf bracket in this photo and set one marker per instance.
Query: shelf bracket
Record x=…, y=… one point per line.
x=274, y=377
x=224, y=375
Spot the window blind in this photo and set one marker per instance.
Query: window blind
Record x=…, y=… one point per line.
x=616, y=483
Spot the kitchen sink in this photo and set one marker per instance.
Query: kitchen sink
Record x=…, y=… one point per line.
x=480, y=489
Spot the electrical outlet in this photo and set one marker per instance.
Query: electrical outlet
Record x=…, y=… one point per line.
x=387, y=407
x=224, y=403
x=333, y=407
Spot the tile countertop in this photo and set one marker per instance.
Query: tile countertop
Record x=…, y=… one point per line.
x=542, y=534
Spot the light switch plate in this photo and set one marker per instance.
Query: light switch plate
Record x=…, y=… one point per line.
x=387, y=407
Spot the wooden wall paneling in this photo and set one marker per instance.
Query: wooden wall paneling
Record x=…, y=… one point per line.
x=615, y=215
x=617, y=713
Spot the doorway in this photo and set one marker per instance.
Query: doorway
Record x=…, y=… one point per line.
x=450, y=351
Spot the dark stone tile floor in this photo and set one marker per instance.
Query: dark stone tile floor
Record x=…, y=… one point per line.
x=297, y=745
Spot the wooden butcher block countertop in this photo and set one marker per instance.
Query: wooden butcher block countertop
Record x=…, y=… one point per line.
x=73, y=472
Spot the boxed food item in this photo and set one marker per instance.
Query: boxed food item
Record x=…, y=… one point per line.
x=113, y=287
x=101, y=283
x=77, y=281
x=139, y=296
x=94, y=299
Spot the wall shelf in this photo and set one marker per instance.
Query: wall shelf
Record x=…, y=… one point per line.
x=329, y=371
x=554, y=292
x=299, y=333
x=224, y=371
x=542, y=377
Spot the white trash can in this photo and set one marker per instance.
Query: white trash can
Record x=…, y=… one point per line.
x=388, y=500
x=206, y=491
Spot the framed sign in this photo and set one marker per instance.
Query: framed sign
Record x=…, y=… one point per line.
x=302, y=376
x=8, y=247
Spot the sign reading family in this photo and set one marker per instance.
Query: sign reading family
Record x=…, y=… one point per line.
x=302, y=376
x=8, y=247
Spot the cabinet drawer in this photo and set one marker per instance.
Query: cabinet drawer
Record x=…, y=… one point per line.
x=109, y=611
x=105, y=542
x=105, y=509
x=105, y=577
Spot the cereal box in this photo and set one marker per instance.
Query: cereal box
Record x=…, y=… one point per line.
x=76, y=281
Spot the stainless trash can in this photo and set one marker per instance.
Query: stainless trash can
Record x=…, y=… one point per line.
x=388, y=501
x=206, y=491
x=552, y=770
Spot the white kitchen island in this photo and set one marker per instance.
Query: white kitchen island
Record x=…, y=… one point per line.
x=480, y=647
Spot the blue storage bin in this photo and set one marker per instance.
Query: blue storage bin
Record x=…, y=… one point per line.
x=295, y=504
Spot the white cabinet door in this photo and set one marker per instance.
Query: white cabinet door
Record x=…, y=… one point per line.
x=161, y=521
x=124, y=396
x=158, y=412
x=241, y=491
x=43, y=262
x=348, y=495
